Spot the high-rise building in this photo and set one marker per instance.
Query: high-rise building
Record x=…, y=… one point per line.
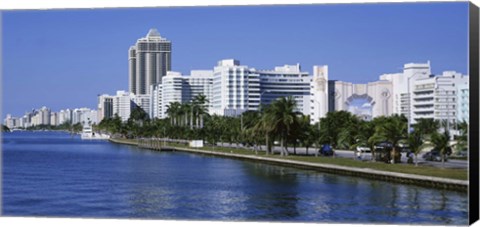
x=180, y=88
x=199, y=82
x=105, y=107
x=149, y=60
x=319, y=93
x=11, y=122
x=65, y=116
x=142, y=101
x=156, y=101
x=403, y=84
x=53, y=118
x=237, y=88
x=44, y=116
x=284, y=81
x=463, y=97
x=172, y=87
x=437, y=97
x=122, y=104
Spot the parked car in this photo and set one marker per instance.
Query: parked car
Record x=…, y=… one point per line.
x=363, y=149
x=433, y=155
x=404, y=150
x=326, y=150
x=462, y=153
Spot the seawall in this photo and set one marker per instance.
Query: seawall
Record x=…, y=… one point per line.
x=437, y=182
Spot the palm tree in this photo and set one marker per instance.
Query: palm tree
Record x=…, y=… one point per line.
x=332, y=125
x=415, y=143
x=200, y=102
x=347, y=137
x=185, y=109
x=462, y=139
x=306, y=132
x=173, y=110
x=442, y=143
x=362, y=134
x=283, y=118
x=393, y=130
x=265, y=126
x=426, y=126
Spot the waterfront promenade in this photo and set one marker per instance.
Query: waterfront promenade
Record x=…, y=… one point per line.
x=337, y=165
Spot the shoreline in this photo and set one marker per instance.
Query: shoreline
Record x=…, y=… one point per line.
x=413, y=179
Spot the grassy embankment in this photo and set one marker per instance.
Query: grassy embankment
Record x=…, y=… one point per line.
x=458, y=174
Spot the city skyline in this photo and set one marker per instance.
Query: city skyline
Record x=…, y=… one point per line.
x=76, y=81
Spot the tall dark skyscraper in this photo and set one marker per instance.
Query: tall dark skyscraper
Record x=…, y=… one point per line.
x=149, y=60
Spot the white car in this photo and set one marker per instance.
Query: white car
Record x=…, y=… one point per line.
x=363, y=149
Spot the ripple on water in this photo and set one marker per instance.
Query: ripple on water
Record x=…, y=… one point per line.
x=52, y=174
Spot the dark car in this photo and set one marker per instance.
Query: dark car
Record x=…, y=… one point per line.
x=326, y=150
x=433, y=155
x=404, y=149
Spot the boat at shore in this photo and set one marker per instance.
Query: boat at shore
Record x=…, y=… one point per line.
x=89, y=134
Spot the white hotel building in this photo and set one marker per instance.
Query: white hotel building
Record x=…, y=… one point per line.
x=237, y=88
x=180, y=88
x=233, y=88
x=121, y=104
x=419, y=94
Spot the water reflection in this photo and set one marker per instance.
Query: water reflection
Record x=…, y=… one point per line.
x=61, y=178
x=275, y=194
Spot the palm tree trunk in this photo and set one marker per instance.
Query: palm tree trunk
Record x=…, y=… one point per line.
x=443, y=159
x=266, y=144
x=281, y=147
x=393, y=154
x=416, y=161
x=197, y=121
x=191, y=119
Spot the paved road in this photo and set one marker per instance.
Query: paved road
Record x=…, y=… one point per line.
x=457, y=164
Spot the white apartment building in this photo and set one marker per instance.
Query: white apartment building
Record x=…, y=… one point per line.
x=156, y=101
x=437, y=97
x=64, y=116
x=122, y=104
x=105, y=107
x=36, y=120
x=199, y=82
x=149, y=60
x=142, y=101
x=463, y=102
x=403, y=83
x=234, y=89
x=11, y=122
x=44, y=113
x=54, y=119
x=84, y=116
x=172, y=90
x=237, y=88
x=180, y=88
x=283, y=81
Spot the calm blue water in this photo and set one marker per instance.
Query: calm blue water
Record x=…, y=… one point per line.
x=52, y=174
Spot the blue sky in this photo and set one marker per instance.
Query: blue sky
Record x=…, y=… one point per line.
x=64, y=58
